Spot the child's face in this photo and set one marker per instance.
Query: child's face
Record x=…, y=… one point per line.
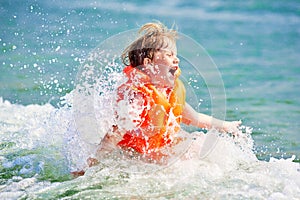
x=163, y=68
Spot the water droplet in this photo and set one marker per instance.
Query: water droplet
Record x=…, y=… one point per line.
x=57, y=48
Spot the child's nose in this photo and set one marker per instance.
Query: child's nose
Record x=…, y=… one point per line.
x=176, y=60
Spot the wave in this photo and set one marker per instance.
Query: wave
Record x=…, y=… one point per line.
x=41, y=144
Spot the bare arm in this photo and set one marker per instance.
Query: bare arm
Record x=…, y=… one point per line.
x=192, y=117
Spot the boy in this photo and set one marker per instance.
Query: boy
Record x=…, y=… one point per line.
x=151, y=104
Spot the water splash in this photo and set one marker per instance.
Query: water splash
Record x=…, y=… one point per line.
x=34, y=153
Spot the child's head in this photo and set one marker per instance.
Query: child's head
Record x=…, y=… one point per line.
x=155, y=53
x=154, y=37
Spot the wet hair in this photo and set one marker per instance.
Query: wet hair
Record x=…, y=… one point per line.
x=153, y=37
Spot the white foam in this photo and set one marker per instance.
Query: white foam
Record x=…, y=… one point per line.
x=228, y=168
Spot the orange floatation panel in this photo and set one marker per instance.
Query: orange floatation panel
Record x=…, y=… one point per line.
x=155, y=119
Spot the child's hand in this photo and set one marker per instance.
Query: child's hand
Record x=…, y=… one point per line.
x=232, y=127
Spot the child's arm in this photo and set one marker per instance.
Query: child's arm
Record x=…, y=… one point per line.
x=192, y=117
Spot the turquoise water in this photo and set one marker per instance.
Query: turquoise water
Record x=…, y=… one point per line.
x=254, y=44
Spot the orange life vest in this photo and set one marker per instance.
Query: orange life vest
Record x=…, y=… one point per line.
x=161, y=110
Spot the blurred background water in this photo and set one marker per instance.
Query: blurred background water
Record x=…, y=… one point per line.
x=255, y=45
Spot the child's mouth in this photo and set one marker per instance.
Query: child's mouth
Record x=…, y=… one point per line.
x=173, y=70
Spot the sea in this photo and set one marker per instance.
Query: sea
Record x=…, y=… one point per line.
x=60, y=65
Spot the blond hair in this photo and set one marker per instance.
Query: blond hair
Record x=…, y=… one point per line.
x=154, y=36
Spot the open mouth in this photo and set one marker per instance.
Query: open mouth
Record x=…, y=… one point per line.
x=173, y=70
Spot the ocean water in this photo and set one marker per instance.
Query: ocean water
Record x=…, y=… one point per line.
x=52, y=115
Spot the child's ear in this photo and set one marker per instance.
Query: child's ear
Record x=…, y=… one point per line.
x=147, y=61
